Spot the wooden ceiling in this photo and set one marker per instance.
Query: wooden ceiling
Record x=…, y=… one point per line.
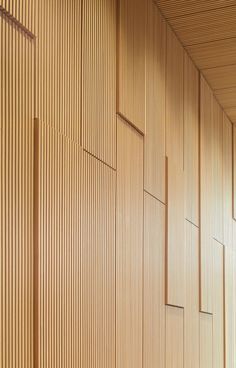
x=207, y=29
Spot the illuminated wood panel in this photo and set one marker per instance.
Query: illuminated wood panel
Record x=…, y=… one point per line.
x=154, y=283
x=175, y=244
x=206, y=198
x=99, y=79
x=129, y=247
x=16, y=197
x=174, y=99
x=131, y=64
x=154, y=142
x=227, y=181
x=206, y=341
x=58, y=66
x=217, y=172
x=221, y=77
x=234, y=172
x=191, y=311
x=218, y=305
x=174, y=337
x=76, y=240
x=191, y=140
x=230, y=305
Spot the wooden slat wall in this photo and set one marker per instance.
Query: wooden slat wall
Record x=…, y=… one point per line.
x=206, y=196
x=154, y=142
x=175, y=244
x=58, y=66
x=129, y=247
x=191, y=140
x=191, y=312
x=154, y=283
x=131, y=61
x=99, y=79
x=117, y=218
x=16, y=197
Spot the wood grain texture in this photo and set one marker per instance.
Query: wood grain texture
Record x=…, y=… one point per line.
x=206, y=341
x=154, y=142
x=226, y=97
x=154, y=284
x=16, y=197
x=174, y=337
x=218, y=306
x=175, y=244
x=129, y=247
x=58, y=66
x=24, y=11
x=131, y=64
x=178, y=8
x=191, y=140
x=234, y=172
x=227, y=182
x=99, y=79
x=230, y=305
x=174, y=99
x=206, y=197
x=76, y=255
x=217, y=172
x=191, y=311
x=206, y=26
x=221, y=77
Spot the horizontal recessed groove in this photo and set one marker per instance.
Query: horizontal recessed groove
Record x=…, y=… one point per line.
x=10, y=18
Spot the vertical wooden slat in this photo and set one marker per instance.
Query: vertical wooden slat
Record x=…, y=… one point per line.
x=131, y=64
x=206, y=197
x=154, y=143
x=191, y=311
x=174, y=99
x=191, y=140
x=99, y=79
x=129, y=247
x=154, y=283
x=206, y=341
x=174, y=337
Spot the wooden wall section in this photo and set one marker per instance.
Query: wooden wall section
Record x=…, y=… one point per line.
x=129, y=247
x=16, y=197
x=131, y=61
x=117, y=191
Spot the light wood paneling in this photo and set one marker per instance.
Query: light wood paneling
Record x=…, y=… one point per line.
x=131, y=64
x=206, y=341
x=227, y=181
x=191, y=311
x=221, y=77
x=214, y=54
x=23, y=11
x=174, y=337
x=98, y=264
x=206, y=198
x=230, y=306
x=191, y=140
x=175, y=244
x=99, y=79
x=177, y=8
x=217, y=172
x=231, y=113
x=154, y=143
x=58, y=66
x=218, y=305
x=206, y=26
x=226, y=97
x=234, y=172
x=16, y=197
x=154, y=283
x=76, y=255
x=174, y=99
x=129, y=247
